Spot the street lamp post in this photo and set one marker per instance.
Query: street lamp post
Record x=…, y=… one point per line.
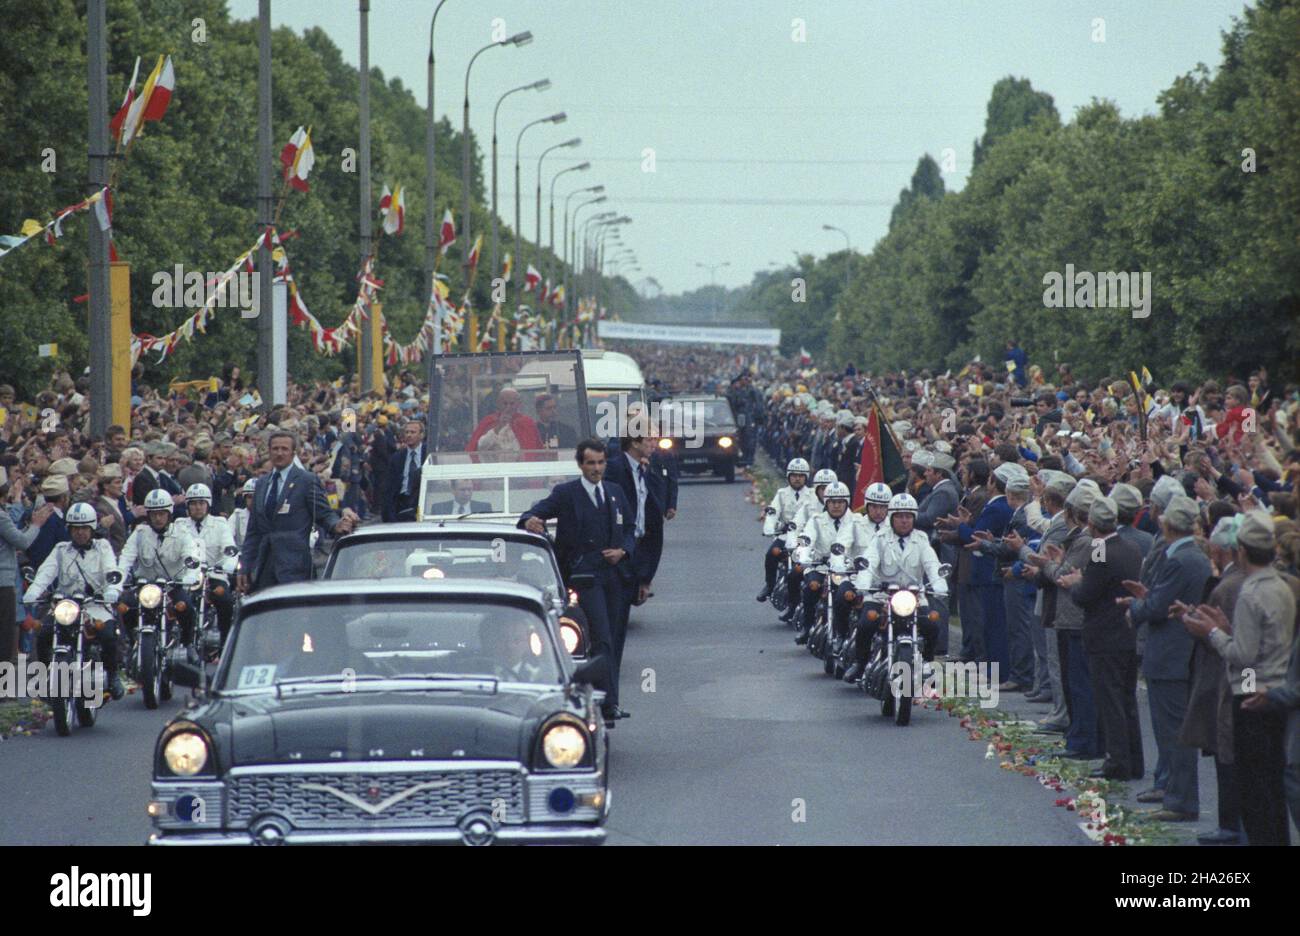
x=580, y=167
x=713, y=269
x=598, y=200
x=576, y=141
x=518, y=39
x=848, y=251
x=559, y=118
x=535, y=86
x=569, y=258
x=430, y=208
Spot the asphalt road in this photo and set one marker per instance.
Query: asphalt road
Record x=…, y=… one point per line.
x=741, y=741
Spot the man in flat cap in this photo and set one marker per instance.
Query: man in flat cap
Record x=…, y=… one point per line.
x=1109, y=640
x=1128, y=501
x=1167, y=657
x=1256, y=646
x=54, y=531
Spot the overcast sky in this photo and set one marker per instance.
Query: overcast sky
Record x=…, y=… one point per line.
x=759, y=139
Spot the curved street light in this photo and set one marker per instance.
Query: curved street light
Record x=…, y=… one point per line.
x=541, y=85
x=576, y=141
x=430, y=205
x=559, y=118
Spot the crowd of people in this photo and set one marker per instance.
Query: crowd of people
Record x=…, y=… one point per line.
x=1095, y=534
x=1096, y=531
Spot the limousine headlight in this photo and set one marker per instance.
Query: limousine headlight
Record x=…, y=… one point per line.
x=564, y=745
x=570, y=634
x=665, y=443
x=186, y=753
x=725, y=442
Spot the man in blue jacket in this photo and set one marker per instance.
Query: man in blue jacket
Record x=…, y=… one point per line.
x=1167, y=657
x=986, y=586
x=595, y=537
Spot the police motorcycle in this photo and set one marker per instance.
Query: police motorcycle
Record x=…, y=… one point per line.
x=817, y=543
x=777, y=527
x=896, y=668
x=214, y=584
x=848, y=559
x=77, y=618
x=161, y=600
x=794, y=567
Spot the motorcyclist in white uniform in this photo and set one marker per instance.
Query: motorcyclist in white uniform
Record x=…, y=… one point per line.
x=901, y=555
x=158, y=549
x=239, y=516
x=817, y=537
x=780, y=513
x=220, y=555
x=79, y=566
x=855, y=537
x=810, y=508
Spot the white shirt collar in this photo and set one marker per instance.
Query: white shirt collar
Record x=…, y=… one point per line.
x=591, y=488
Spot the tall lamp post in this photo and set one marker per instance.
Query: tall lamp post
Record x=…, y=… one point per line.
x=518, y=39
x=848, y=250
x=430, y=209
x=559, y=118
x=569, y=259
x=576, y=141
x=573, y=244
x=713, y=269
x=580, y=167
x=535, y=86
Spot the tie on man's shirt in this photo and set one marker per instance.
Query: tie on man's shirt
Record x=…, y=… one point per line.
x=600, y=500
x=273, y=494
x=902, y=543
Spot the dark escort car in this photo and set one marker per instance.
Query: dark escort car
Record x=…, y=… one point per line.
x=417, y=712
x=700, y=432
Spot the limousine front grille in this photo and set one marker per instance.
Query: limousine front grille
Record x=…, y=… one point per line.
x=368, y=798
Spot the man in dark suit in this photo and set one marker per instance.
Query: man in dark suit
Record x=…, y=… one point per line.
x=155, y=459
x=1167, y=657
x=594, y=540
x=288, y=503
x=553, y=433
x=462, y=502
x=1109, y=640
x=404, y=474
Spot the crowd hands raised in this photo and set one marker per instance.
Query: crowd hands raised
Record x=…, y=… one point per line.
x=1095, y=535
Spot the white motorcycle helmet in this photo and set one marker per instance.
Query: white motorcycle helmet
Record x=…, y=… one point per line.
x=200, y=492
x=157, y=499
x=250, y=486
x=825, y=476
x=836, y=490
x=81, y=514
x=902, y=503
x=879, y=493
x=797, y=466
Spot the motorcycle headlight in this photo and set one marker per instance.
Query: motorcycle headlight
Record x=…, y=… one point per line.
x=186, y=753
x=724, y=442
x=150, y=596
x=564, y=745
x=66, y=611
x=571, y=635
x=903, y=604
x=837, y=578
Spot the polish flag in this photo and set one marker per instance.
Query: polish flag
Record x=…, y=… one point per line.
x=531, y=278
x=544, y=293
x=804, y=357
x=392, y=206
x=447, y=236
x=475, y=251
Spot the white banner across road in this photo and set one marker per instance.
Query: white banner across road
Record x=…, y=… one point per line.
x=693, y=334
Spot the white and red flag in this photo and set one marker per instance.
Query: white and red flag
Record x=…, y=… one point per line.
x=392, y=206
x=298, y=157
x=115, y=125
x=531, y=278
x=447, y=235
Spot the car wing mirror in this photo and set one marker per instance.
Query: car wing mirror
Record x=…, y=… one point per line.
x=187, y=674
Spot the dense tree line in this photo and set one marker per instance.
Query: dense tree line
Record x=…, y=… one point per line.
x=958, y=273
